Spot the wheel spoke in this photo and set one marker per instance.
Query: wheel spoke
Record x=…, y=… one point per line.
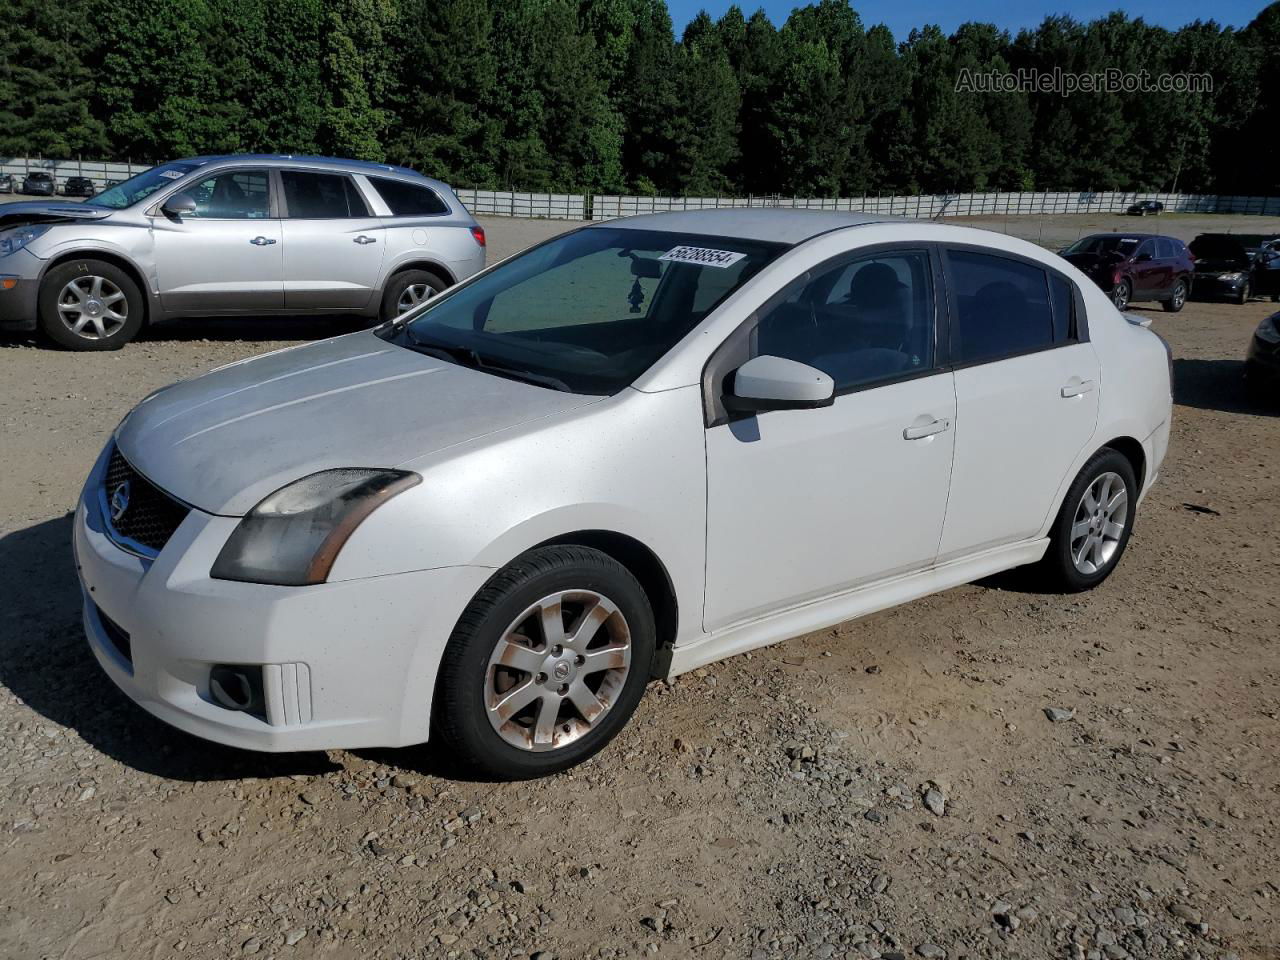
x=1079, y=529
x=95, y=288
x=113, y=298
x=1113, y=530
x=1116, y=502
x=544, y=729
x=592, y=619
x=516, y=655
x=586, y=702
x=515, y=700
x=551, y=616
x=604, y=658
x=1090, y=501
x=1098, y=544
x=1080, y=554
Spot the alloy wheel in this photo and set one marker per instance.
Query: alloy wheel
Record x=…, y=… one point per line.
x=1179, y=295
x=93, y=307
x=557, y=670
x=1099, y=524
x=1120, y=296
x=412, y=295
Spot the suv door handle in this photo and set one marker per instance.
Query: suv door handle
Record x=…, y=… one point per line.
x=918, y=430
x=1077, y=388
x=363, y=239
x=262, y=241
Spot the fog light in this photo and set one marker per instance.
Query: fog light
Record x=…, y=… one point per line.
x=238, y=688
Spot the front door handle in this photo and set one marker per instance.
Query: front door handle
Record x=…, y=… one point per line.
x=362, y=239
x=1077, y=388
x=918, y=430
x=262, y=241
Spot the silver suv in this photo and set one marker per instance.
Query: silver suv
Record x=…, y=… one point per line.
x=233, y=235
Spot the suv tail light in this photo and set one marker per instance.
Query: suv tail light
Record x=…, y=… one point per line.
x=478, y=232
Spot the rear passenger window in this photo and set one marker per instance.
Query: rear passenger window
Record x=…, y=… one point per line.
x=408, y=199
x=1002, y=307
x=859, y=323
x=1166, y=249
x=321, y=196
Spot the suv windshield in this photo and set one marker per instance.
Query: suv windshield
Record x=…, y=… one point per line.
x=142, y=186
x=1104, y=244
x=587, y=312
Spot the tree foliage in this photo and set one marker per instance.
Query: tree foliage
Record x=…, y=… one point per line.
x=601, y=95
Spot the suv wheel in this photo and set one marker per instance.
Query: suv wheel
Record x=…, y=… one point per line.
x=1093, y=525
x=408, y=289
x=1177, y=299
x=1243, y=295
x=546, y=664
x=89, y=305
x=1120, y=295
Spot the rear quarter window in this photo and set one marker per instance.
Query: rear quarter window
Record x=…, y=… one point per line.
x=409, y=199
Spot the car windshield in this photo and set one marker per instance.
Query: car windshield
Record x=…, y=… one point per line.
x=1104, y=244
x=587, y=312
x=142, y=186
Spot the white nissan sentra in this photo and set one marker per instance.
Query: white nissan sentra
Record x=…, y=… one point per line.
x=635, y=449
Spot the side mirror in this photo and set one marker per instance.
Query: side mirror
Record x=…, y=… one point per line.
x=1142, y=258
x=180, y=204
x=775, y=383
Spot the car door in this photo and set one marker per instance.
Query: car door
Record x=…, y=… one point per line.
x=225, y=256
x=803, y=504
x=1027, y=386
x=333, y=245
x=1146, y=270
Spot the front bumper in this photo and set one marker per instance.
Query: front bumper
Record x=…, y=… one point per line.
x=19, y=302
x=1210, y=285
x=344, y=665
x=1262, y=363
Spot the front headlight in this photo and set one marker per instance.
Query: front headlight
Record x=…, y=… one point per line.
x=293, y=536
x=14, y=240
x=1269, y=329
x=1230, y=277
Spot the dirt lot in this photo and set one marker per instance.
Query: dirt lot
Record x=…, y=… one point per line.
x=768, y=806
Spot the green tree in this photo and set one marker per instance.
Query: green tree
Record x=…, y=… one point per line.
x=358, y=77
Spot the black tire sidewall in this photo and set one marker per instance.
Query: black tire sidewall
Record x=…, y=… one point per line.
x=1058, y=557
x=1172, y=305
x=397, y=285
x=459, y=713
x=51, y=324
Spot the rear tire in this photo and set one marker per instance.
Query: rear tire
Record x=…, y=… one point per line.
x=406, y=290
x=1093, y=526
x=1177, y=299
x=89, y=305
x=517, y=668
x=1121, y=294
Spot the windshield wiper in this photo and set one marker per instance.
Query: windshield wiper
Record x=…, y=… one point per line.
x=470, y=358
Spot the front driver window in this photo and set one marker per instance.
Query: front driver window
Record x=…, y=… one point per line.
x=236, y=195
x=859, y=322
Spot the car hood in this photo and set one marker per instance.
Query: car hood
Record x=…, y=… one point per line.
x=48, y=211
x=225, y=440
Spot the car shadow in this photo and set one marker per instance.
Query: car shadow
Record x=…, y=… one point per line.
x=1215, y=385
x=46, y=664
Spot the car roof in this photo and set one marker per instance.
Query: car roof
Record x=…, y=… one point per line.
x=1130, y=235
x=771, y=224
x=330, y=163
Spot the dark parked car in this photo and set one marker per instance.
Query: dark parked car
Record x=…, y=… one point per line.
x=1262, y=364
x=78, y=187
x=1135, y=266
x=40, y=184
x=1144, y=207
x=1236, y=266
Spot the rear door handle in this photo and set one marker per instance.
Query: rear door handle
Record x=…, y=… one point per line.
x=918, y=430
x=262, y=241
x=1077, y=388
x=362, y=239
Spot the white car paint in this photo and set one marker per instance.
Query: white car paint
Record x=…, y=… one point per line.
x=765, y=527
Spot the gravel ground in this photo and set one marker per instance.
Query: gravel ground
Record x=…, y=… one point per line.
x=984, y=773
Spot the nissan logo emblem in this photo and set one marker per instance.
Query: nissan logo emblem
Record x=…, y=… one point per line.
x=119, y=500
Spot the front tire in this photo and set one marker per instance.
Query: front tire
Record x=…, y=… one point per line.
x=1177, y=299
x=89, y=305
x=546, y=664
x=1243, y=296
x=1093, y=525
x=1121, y=294
x=406, y=290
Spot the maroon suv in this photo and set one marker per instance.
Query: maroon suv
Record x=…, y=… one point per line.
x=1136, y=266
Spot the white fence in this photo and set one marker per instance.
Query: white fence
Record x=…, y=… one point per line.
x=576, y=206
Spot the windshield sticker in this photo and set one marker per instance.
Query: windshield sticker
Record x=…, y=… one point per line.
x=172, y=174
x=702, y=256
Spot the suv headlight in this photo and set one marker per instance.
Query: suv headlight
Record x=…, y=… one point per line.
x=12, y=241
x=1269, y=329
x=293, y=536
x=1231, y=277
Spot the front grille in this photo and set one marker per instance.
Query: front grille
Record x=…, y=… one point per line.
x=136, y=510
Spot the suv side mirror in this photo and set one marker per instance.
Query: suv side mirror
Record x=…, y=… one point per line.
x=1143, y=258
x=775, y=383
x=180, y=204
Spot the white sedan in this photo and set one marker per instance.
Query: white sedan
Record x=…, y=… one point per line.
x=635, y=449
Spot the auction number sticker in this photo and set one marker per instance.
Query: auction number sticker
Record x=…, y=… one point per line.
x=172, y=174
x=703, y=256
